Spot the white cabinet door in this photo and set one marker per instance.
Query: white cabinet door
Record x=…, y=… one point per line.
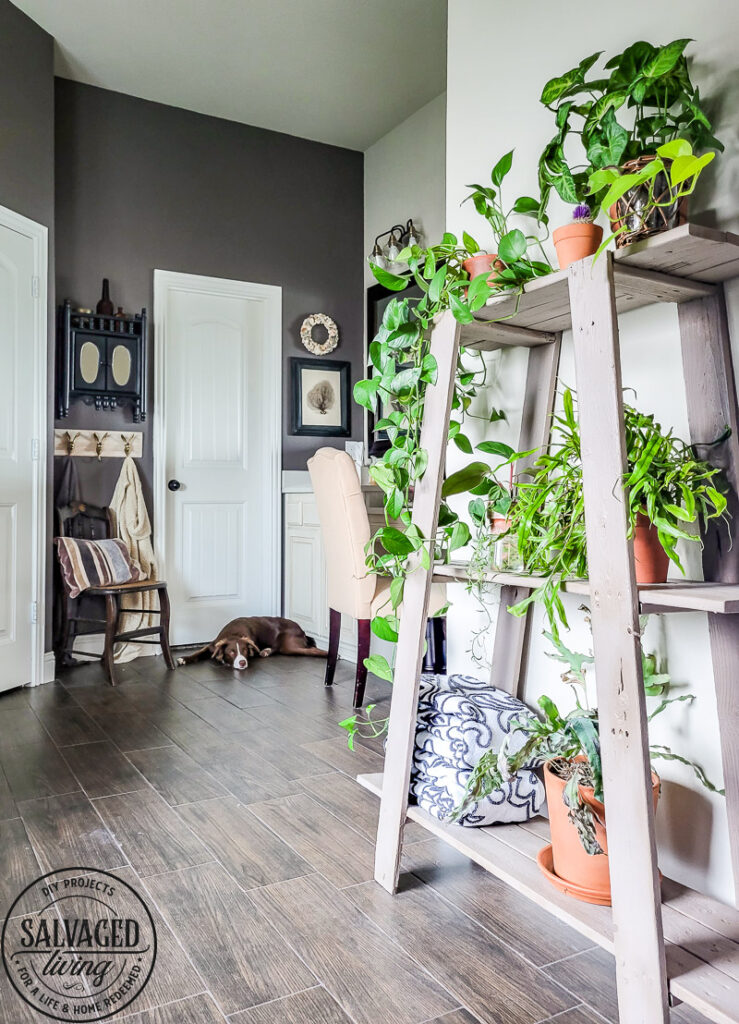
x=218, y=372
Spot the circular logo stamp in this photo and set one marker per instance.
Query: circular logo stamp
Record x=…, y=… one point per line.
x=79, y=944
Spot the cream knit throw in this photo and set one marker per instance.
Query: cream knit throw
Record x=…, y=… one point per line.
x=132, y=525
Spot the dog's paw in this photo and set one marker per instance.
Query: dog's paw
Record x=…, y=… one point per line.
x=180, y=661
x=265, y=653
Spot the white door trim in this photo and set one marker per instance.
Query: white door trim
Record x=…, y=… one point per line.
x=166, y=281
x=38, y=234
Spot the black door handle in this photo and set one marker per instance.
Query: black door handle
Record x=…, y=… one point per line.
x=174, y=485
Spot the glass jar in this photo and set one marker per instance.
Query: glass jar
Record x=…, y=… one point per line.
x=505, y=547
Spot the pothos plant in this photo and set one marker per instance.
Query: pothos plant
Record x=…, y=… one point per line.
x=651, y=86
x=570, y=743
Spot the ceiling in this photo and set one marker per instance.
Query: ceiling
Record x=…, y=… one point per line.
x=338, y=71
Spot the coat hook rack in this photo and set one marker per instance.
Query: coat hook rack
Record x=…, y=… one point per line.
x=99, y=445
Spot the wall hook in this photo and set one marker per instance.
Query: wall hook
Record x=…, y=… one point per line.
x=99, y=445
x=70, y=442
x=127, y=444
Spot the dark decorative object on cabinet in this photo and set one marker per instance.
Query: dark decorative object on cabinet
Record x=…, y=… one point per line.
x=102, y=361
x=105, y=305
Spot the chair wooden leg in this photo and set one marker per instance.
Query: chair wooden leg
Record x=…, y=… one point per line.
x=164, y=628
x=111, y=622
x=334, y=631
x=363, y=649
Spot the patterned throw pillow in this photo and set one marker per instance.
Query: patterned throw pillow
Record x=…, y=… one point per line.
x=459, y=718
x=94, y=563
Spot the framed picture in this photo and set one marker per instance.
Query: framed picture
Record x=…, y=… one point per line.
x=320, y=397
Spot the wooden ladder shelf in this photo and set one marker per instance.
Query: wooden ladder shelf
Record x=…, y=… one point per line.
x=671, y=944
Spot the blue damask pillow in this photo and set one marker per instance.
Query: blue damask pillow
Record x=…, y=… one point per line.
x=459, y=718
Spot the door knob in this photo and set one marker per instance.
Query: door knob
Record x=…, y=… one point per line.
x=174, y=485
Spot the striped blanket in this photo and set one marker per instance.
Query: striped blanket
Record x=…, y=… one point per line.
x=94, y=563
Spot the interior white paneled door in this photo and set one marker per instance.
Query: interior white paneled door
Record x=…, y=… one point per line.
x=22, y=400
x=218, y=346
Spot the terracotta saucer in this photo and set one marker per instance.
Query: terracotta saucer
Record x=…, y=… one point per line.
x=546, y=863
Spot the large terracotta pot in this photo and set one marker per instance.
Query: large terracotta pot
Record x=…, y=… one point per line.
x=651, y=561
x=582, y=875
x=482, y=264
x=575, y=241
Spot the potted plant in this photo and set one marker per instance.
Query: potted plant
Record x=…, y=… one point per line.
x=567, y=748
x=669, y=489
x=510, y=261
x=579, y=239
x=651, y=85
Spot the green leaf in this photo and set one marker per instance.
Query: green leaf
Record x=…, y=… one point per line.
x=470, y=244
x=674, y=148
x=502, y=168
x=395, y=542
x=394, y=504
x=385, y=627
x=459, y=536
x=365, y=392
x=396, y=591
x=463, y=443
x=391, y=281
x=495, y=448
x=464, y=479
x=665, y=58
x=526, y=206
x=684, y=167
x=512, y=246
x=477, y=511
x=587, y=734
x=462, y=312
x=437, y=283
x=556, y=88
x=378, y=665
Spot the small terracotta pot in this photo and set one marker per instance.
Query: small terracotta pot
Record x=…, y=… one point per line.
x=651, y=561
x=499, y=524
x=588, y=874
x=483, y=263
x=575, y=241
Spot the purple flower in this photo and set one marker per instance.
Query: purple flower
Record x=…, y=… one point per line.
x=582, y=213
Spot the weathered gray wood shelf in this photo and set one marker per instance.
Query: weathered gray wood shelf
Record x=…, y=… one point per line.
x=701, y=934
x=677, y=596
x=680, y=265
x=669, y=942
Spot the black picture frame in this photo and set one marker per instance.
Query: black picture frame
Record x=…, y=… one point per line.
x=333, y=366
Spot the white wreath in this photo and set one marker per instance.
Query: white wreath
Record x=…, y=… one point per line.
x=319, y=348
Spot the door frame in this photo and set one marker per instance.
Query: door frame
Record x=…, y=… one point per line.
x=38, y=233
x=165, y=282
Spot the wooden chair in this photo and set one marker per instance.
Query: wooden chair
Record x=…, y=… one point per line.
x=345, y=530
x=91, y=522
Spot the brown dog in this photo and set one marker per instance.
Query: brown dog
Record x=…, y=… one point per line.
x=262, y=636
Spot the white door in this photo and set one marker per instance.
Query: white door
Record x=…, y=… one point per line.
x=218, y=418
x=22, y=397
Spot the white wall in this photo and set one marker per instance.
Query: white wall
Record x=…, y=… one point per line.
x=404, y=177
x=499, y=57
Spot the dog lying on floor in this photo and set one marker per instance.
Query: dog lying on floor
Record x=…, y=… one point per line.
x=258, y=636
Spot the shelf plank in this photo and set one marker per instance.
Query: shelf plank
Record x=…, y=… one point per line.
x=675, y=266
x=702, y=935
x=686, y=596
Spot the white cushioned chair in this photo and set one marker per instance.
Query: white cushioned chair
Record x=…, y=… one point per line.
x=345, y=530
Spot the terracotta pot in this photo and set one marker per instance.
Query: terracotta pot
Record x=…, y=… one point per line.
x=575, y=241
x=628, y=210
x=580, y=874
x=483, y=263
x=499, y=524
x=651, y=561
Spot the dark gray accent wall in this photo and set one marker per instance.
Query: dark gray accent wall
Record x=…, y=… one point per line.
x=26, y=116
x=27, y=159
x=142, y=186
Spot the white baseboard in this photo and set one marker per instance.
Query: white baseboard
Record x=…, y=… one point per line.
x=347, y=650
x=49, y=667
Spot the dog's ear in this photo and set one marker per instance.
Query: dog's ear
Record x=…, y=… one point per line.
x=251, y=647
x=217, y=650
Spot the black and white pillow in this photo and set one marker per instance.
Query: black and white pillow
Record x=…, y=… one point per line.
x=459, y=718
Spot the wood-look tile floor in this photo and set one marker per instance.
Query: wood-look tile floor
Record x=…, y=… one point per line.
x=228, y=801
